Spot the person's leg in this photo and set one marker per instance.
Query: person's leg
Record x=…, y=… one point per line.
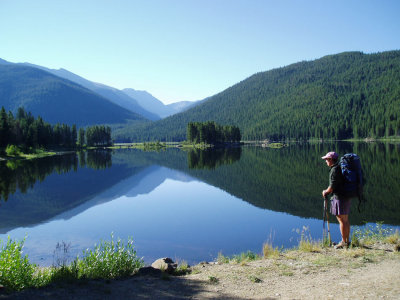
x=344, y=226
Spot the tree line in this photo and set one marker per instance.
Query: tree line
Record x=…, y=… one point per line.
x=211, y=133
x=26, y=131
x=348, y=95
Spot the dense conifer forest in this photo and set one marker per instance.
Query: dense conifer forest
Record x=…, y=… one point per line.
x=348, y=95
x=25, y=131
x=211, y=133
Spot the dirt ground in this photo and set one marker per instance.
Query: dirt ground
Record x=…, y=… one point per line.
x=328, y=274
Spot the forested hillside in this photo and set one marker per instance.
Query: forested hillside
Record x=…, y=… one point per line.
x=55, y=99
x=335, y=97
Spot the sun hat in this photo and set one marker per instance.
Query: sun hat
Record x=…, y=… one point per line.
x=332, y=155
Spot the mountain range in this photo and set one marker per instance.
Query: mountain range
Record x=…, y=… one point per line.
x=150, y=103
x=143, y=104
x=346, y=95
x=57, y=100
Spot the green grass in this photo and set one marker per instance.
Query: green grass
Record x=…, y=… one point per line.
x=372, y=234
x=13, y=151
x=182, y=269
x=109, y=259
x=213, y=280
x=254, y=279
x=238, y=258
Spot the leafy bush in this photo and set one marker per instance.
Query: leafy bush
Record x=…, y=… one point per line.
x=16, y=273
x=12, y=150
x=109, y=260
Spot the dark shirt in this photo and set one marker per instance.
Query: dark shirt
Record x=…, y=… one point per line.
x=336, y=180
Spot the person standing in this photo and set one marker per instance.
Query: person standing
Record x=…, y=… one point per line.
x=340, y=204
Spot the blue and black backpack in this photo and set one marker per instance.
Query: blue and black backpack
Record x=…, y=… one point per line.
x=350, y=165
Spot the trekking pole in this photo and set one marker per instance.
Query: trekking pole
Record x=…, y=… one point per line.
x=327, y=218
x=324, y=237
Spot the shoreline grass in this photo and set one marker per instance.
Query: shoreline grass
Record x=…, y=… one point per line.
x=116, y=258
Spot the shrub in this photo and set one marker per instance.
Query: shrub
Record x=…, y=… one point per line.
x=12, y=150
x=16, y=273
x=109, y=260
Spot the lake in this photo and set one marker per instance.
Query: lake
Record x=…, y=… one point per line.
x=187, y=205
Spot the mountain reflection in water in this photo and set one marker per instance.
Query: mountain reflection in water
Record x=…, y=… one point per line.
x=190, y=204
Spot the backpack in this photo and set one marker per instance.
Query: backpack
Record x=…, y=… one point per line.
x=350, y=166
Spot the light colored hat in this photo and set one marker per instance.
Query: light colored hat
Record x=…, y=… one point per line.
x=332, y=155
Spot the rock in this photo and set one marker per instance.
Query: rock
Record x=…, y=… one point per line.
x=165, y=264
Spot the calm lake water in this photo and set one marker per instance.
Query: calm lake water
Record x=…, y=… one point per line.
x=187, y=205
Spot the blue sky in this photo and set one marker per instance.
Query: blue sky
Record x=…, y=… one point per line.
x=185, y=49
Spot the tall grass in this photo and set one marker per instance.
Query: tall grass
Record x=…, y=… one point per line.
x=269, y=251
x=307, y=244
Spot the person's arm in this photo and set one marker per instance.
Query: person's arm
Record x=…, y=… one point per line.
x=328, y=191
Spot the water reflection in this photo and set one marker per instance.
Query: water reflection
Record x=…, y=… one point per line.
x=191, y=205
x=22, y=175
x=212, y=158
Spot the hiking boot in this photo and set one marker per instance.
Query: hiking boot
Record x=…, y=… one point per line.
x=342, y=245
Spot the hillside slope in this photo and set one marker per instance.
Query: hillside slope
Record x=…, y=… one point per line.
x=55, y=99
x=338, y=96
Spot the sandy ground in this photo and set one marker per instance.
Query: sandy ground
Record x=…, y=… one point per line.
x=328, y=274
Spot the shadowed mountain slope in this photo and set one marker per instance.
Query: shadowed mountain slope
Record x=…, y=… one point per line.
x=55, y=99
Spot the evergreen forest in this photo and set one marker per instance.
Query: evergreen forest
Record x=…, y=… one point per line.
x=211, y=133
x=347, y=95
x=25, y=131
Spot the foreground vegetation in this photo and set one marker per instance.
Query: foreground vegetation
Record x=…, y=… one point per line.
x=113, y=259
x=109, y=259
x=361, y=239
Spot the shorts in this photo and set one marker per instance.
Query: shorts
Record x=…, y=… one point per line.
x=340, y=206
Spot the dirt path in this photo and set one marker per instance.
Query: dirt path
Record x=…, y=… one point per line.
x=333, y=274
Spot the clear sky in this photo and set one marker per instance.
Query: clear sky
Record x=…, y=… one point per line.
x=185, y=49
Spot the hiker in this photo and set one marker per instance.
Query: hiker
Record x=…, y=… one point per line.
x=340, y=204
